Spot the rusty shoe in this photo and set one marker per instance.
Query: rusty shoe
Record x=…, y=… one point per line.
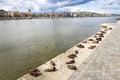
x=96, y=42
x=84, y=42
x=72, y=67
x=90, y=40
x=52, y=63
x=52, y=69
x=91, y=47
x=72, y=56
x=70, y=62
x=34, y=72
x=76, y=51
x=99, y=39
x=80, y=46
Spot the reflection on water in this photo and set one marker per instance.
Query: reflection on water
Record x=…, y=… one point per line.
x=26, y=44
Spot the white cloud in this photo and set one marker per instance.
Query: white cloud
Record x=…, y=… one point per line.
x=46, y=6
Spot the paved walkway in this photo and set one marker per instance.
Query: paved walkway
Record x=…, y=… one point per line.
x=104, y=62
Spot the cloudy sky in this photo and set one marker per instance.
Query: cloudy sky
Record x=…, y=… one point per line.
x=43, y=6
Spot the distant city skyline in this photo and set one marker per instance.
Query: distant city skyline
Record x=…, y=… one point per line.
x=46, y=6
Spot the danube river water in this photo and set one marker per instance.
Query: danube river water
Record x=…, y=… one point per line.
x=26, y=44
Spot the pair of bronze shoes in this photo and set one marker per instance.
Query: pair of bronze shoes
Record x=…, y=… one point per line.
x=96, y=42
x=103, y=32
x=101, y=35
x=80, y=46
x=35, y=72
x=72, y=67
x=91, y=47
x=99, y=39
x=70, y=62
x=104, y=26
x=53, y=68
x=109, y=28
x=90, y=40
x=76, y=51
x=84, y=42
x=52, y=63
x=72, y=56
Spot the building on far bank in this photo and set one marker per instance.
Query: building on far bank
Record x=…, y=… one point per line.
x=28, y=14
x=19, y=14
x=74, y=14
x=10, y=14
x=3, y=13
x=53, y=15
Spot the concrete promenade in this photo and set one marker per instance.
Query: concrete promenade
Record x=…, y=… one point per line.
x=100, y=63
x=104, y=61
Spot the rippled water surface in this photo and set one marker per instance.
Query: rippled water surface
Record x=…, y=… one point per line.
x=26, y=44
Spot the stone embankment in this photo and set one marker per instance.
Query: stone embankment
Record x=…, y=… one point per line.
x=104, y=61
x=96, y=58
